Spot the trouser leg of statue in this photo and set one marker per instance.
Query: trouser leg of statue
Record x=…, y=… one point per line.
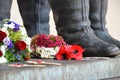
x=5, y=7
x=72, y=23
x=35, y=15
x=97, y=15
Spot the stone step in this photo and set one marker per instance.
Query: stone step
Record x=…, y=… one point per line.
x=112, y=78
x=87, y=69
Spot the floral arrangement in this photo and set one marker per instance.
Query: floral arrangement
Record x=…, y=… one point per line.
x=50, y=46
x=46, y=46
x=14, y=42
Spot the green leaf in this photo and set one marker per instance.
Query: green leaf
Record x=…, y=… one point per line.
x=1, y=43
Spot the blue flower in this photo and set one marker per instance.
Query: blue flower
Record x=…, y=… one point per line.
x=18, y=57
x=12, y=50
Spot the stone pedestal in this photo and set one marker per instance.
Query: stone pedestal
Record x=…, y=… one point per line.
x=87, y=69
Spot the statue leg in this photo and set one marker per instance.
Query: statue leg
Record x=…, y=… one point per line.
x=72, y=23
x=35, y=15
x=98, y=9
x=5, y=7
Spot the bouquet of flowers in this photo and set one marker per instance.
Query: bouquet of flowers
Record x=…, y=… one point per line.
x=46, y=46
x=14, y=42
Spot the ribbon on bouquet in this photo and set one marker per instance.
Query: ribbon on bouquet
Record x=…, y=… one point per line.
x=25, y=65
x=37, y=62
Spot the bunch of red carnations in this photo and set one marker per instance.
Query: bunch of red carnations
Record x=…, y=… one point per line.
x=46, y=46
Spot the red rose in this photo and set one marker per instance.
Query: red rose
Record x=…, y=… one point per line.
x=20, y=45
x=2, y=35
x=1, y=53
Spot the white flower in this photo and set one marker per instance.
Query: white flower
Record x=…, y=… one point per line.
x=5, y=29
x=23, y=31
x=11, y=26
x=3, y=60
x=5, y=26
x=27, y=40
x=3, y=49
x=47, y=52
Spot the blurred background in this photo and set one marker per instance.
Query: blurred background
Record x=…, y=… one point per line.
x=113, y=18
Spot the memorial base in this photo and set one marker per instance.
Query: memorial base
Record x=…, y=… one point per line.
x=87, y=69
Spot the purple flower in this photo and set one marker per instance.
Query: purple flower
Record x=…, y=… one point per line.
x=16, y=29
x=10, y=45
x=6, y=41
x=16, y=26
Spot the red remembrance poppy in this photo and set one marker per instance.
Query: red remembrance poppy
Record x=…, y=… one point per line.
x=62, y=54
x=75, y=52
x=70, y=52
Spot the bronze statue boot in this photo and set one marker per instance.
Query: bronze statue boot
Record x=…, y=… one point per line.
x=72, y=23
x=35, y=15
x=97, y=15
x=5, y=7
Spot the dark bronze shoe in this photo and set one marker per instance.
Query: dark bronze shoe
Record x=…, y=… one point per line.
x=72, y=23
x=97, y=15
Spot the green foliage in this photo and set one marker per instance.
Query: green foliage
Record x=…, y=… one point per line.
x=14, y=36
x=1, y=43
x=10, y=56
